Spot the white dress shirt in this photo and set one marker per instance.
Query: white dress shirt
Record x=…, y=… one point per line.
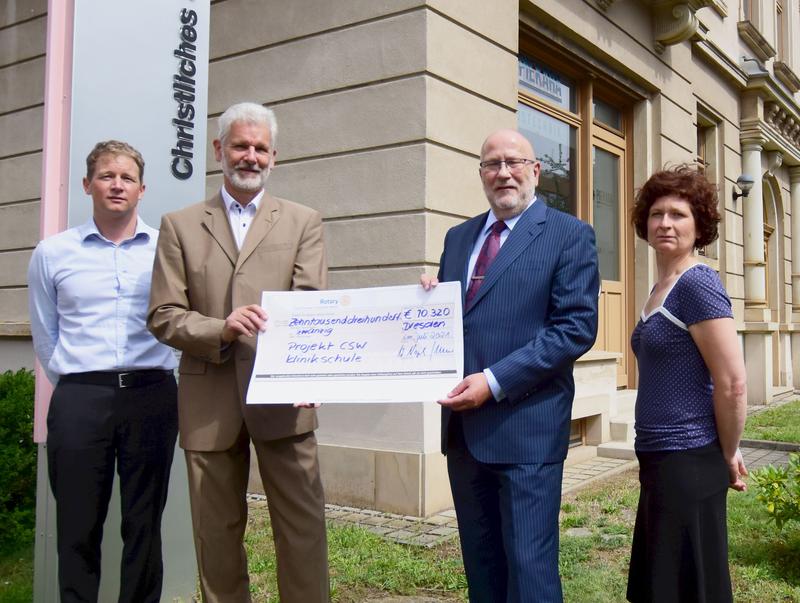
x=240, y=217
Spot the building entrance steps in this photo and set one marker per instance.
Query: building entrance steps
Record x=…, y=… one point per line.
x=621, y=422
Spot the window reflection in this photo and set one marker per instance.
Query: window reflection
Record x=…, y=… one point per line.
x=606, y=211
x=607, y=114
x=554, y=143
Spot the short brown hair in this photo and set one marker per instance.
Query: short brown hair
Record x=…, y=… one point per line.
x=113, y=147
x=689, y=184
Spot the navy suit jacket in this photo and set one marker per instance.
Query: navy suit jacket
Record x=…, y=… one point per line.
x=535, y=313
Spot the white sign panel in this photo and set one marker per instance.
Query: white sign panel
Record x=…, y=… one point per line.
x=140, y=75
x=384, y=344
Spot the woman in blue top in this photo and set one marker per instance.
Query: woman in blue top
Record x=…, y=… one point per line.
x=691, y=405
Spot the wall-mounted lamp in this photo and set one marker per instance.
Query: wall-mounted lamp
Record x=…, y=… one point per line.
x=745, y=183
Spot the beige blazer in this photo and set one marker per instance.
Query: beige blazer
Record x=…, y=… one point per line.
x=199, y=277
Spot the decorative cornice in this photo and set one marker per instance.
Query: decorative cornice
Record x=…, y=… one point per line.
x=721, y=62
x=604, y=4
x=769, y=88
x=753, y=38
x=783, y=123
x=786, y=75
x=721, y=6
x=675, y=21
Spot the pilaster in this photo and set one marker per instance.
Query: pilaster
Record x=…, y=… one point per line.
x=758, y=365
x=755, y=283
x=794, y=194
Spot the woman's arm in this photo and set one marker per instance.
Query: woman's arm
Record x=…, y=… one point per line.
x=719, y=345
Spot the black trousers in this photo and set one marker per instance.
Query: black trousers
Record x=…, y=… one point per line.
x=93, y=429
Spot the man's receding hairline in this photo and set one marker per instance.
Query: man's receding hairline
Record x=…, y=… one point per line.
x=511, y=133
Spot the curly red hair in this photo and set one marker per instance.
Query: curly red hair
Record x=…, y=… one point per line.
x=689, y=184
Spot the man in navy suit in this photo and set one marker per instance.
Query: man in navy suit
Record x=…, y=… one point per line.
x=530, y=310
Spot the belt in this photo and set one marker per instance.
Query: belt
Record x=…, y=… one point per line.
x=118, y=379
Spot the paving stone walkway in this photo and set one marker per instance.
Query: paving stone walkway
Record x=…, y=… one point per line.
x=439, y=528
x=764, y=454
x=578, y=475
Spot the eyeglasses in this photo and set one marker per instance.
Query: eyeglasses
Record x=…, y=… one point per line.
x=513, y=165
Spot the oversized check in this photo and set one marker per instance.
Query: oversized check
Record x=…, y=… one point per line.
x=384, y=344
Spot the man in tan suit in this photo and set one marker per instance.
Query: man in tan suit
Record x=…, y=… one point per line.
x=212, y=262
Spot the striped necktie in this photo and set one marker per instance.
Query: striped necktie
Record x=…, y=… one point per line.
x=485, y=258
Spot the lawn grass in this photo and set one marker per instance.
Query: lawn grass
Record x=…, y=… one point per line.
x=16, y=577
x=595, y=568
x=362, y=565
x=781, y=424
x=765, y=563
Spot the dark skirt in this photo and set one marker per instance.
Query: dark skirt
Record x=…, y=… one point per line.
x=680, y=541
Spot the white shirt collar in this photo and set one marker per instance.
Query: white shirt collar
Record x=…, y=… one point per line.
x=230, y=202
x=491, y=218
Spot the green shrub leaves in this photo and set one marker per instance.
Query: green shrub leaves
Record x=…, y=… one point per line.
x=17, y=461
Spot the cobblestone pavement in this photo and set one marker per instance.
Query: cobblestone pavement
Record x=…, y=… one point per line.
x=578, y=475
x=439, y=528
x=431, y=531
x=755, y=458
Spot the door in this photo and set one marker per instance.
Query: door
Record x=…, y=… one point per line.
x=608, y=182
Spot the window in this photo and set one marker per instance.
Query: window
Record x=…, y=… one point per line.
x=577, y=432
x=702, y=142
x=550, y=116
x=606, y=114
x=555, y=144
x=708, y=161
x=578, y=124
x=546, y=84
x=547, y=116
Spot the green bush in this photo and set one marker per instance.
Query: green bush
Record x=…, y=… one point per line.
x=779, y=490
x=17, y=461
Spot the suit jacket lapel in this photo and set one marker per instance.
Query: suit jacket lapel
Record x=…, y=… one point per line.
x=217, y=223
x=268, y=213
x=529, y=226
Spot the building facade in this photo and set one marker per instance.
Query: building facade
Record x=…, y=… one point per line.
x=383, y=105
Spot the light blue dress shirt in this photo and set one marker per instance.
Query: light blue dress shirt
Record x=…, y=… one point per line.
x=88, y=302
x=497, y=391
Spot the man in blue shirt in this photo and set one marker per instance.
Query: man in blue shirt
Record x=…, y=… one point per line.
x=114, y=405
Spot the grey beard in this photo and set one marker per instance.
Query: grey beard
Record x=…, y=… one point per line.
x=250, y=185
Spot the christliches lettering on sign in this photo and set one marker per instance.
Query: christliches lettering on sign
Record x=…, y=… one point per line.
x=184, y=88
